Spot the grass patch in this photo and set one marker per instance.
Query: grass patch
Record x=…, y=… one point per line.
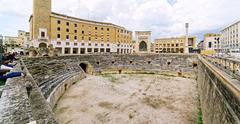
x=200, y=120
x=112, y=78
x=154, y=102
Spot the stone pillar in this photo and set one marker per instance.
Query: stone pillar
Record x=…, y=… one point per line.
x=63, y=50
x=71, y=50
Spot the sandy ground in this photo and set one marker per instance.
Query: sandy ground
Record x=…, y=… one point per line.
x=129, y=99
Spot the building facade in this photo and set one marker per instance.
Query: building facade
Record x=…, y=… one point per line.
x=16, y=44
x=230, y=38
x=211, y=44
x=143, y=42
x=12, y=44
x=70, y=35
x=24, y=39
x=174, y=45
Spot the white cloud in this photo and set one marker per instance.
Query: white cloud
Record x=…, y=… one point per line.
x=164, y=18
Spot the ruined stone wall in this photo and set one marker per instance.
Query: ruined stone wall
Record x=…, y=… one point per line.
x=219, y=94
x=49, y=72
x=51, y=76
x=154, y=62
x=18, y=106
x=62, y=87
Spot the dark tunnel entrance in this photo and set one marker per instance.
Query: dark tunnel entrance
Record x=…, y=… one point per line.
x=84, y=67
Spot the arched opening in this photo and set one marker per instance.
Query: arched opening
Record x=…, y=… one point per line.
x=195, y=65
x=84, y=67
x=42, y=45
x=149, y=62
x=65, y=87
x=143, y=46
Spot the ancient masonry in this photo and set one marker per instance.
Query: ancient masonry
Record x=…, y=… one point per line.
x=32, y=98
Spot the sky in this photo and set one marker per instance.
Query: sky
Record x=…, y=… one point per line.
x=165, y=18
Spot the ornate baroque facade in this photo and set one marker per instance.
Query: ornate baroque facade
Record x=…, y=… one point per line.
x=70, y=35
x=143, y=42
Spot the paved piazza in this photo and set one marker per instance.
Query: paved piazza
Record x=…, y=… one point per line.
x=129, y=99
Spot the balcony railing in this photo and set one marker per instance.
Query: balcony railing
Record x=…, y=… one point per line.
x=230, y=66
x=43, y=39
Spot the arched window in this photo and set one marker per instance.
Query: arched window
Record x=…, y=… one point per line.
x=142, y=46
x=42, y=45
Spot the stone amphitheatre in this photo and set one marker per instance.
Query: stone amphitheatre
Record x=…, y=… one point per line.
x=123, y=89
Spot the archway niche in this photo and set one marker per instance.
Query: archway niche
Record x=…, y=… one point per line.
x=143, y=46
x=42, y=45
x=84, y=67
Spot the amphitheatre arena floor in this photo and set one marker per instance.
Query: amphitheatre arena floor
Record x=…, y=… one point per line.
x=129, y=99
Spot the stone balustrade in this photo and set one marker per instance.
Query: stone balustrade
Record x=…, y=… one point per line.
x=230, y=66
x=219, y=91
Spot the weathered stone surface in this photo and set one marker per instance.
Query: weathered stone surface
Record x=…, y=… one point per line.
x=50, y=76
x=220, y=101
x=14, y=105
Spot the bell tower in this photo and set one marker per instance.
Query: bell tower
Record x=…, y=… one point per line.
x=41, y=19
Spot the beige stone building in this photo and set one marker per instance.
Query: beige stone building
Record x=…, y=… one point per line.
x=16, y=44
x=211, y=44
x=12, y=44
x=143, y=42
x=24, y=38
x=174, y=45
x=70, y=35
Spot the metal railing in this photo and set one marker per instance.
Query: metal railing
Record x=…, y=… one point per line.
x=228, y=65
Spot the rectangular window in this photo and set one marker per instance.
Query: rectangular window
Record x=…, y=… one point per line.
x=75, y=31
x=102, y=50
x=101, y=28
x=82, y=32
x=75, y=25
x=89, y=38
x=75, y=37
x=75, y=50
x=67, y=23
x=82, y=38
x=67, y=37
x=89, y=50
x=58, y=43
x=75, y=44
x=67, y=43
x=59, y=29
x=58, y=36
x=107, y=29
x=42, y=34
x=67, y=30
x=95, y=28
x=83, y=44
x=108, y=50
x=82, y=50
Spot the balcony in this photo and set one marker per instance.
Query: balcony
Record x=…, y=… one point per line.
x=42, y=39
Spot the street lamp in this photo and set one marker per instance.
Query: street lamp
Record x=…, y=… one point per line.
x=218, y=50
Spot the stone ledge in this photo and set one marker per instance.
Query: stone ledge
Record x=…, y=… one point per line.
x=62, y=87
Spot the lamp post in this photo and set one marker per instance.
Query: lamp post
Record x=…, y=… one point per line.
x=186, y=40
x=218, y=50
